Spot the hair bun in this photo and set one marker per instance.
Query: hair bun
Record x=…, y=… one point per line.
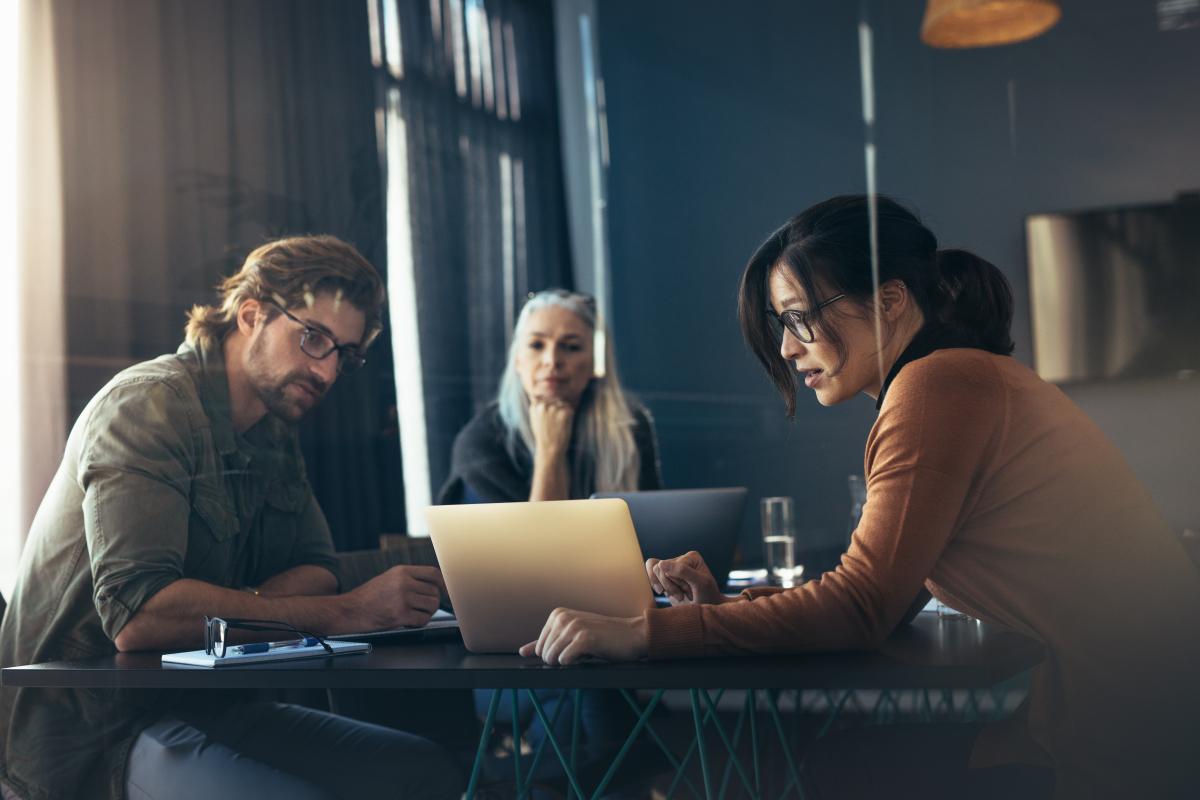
x=975, y=298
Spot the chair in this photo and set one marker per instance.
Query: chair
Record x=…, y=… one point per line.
x=356, y=567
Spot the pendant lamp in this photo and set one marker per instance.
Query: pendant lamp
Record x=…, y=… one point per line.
x=983, y=23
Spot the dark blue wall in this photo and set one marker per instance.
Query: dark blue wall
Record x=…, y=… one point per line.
x=726, y=119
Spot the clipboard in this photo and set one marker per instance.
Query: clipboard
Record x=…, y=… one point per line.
x=198, y=658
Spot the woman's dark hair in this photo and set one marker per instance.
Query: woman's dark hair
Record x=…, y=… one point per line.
x=829, y=245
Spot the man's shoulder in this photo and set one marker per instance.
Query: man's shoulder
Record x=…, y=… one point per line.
x=160, y=389
x=172, y=368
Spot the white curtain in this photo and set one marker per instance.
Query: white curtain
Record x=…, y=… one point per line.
x=40, y=385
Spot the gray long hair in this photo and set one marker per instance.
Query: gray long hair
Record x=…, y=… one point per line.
x=606, y=455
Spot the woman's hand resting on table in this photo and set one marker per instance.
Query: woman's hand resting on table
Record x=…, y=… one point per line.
x=570, y=636
x=685, y=579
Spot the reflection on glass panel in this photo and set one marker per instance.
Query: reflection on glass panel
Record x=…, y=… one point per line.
x=866, y=56
x=393, y=40
x=513, y=80
x=402, y=298
x=375, y=33
x=475, y=48
x=1178, y=15
x=458, y=47
x=1114, y=292
x=475, y=200
x=498, y=65
x=507, y=246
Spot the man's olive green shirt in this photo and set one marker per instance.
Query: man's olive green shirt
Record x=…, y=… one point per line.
x=155, y=485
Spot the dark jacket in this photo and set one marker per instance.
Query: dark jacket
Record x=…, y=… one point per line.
x=484, y=470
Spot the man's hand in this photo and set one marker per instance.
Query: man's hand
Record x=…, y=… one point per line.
x=170, y=619
x=551, y=422
x=404, y=595
x=685, y=579
x=569, y=636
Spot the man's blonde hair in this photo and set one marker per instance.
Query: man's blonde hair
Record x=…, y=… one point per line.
x=292, y=272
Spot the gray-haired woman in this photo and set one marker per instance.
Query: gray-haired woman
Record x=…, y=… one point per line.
x=561, y=426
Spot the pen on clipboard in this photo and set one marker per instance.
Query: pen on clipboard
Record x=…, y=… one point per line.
x=264, y=647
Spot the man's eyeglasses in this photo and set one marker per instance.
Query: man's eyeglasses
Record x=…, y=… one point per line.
x=800, y=323
x=216, y=629
x=320, y=345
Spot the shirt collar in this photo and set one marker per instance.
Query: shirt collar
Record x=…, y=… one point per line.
x=213, y=383
x=931, y=337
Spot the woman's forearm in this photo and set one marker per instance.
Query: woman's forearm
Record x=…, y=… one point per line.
x=551, y=478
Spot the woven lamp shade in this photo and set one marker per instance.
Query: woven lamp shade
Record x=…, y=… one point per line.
x=983, y=23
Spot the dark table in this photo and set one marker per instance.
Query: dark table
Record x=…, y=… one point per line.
x=931, y=653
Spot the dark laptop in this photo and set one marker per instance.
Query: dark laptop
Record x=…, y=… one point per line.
x=669, y=523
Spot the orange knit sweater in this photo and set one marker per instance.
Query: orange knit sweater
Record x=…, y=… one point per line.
x=993, y=490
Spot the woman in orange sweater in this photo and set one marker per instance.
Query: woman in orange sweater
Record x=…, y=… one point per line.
x=987, y=487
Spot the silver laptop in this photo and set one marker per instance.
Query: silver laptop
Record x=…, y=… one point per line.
x=671, y=522
x=508, y=565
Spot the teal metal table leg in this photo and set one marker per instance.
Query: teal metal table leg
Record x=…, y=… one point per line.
x=733, y=759
x=577, y=703
x=516, y=737
x=972, y=712
x=629, y=740
x=737, y=738
x=752, y=700
x=999, y=700
x=612, y=769
x=483, y=738
x=688, y=755
x=562, y=758
x=653, y=734
x=834, y=711
x=537, y=754
x=787, y=750
x=695, y=695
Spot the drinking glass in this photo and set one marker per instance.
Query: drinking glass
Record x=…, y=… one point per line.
x=779, y=540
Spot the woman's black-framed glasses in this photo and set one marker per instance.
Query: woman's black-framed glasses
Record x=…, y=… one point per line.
x=318, y=344
x=217, y=628
x=800, y=323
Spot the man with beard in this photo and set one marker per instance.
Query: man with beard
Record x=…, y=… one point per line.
x=182, y=494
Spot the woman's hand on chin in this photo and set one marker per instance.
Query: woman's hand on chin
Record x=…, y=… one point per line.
x=551, y=421
x=570, y=636
x=685, y=579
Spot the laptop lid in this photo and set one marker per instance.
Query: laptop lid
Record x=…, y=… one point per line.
x=508, y=565
x=671, y=522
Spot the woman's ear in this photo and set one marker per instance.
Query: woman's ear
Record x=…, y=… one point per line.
x=894, y=299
